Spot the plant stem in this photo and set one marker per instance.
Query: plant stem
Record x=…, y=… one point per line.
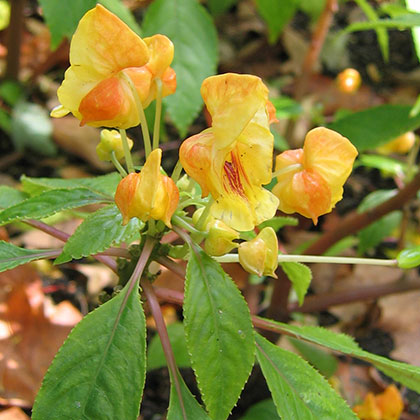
x=176, y=172
x=179, y=221
x=204, y=215
x=158, y=113
x=164, y=338
x=117, y=164
x=14, y=39
x=127, y=153
x=142, y=116
x=172, y=265
x=233, y=258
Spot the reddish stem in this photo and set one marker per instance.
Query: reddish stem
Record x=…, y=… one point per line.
x=164, y=338
x=14, y=39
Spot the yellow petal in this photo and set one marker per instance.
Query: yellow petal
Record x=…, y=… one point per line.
x=390, y=403
x=330, y=155
x=161, y=51
x=232, y=101
x=59, y=111
x=101, y=46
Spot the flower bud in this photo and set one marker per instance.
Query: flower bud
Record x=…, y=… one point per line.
x=401, y=144
x=148, y=194
x=220, y=238
x=260, y=255
x=349, y=81
x=111, y=142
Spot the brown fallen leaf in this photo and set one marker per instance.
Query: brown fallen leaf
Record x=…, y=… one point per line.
x=31, y=331
x=13, y=413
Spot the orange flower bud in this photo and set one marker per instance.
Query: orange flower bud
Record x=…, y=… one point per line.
x=148, y=194
x=310, y=180
x=349, y=81
x=401, y=144
x=260, y=255
x=111, y=142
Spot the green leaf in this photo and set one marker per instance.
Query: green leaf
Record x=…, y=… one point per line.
x=376, y=126
x=219, y=334
x=31, y=128
x=313, y=8
x=193, y=410
x=286, y=107
x=5, y=121
x=409, y=258
x=381, y=33
x=48, y=203
x=10, y=196
x=340, y=246
x=300, y=275
x=11, y=255
x=402, y=372
x=278, y=222
x=99, y=371
x=193, y=33
x=373, y=234
x=104, y=184
x=217, y=7
x=298, y=390
x=263, y=410
x=324, y=362
x=415, y=7
x=11, y=92
x=155, y=356
x=63, y=17
x=276, y=14
x=99, y=231
x=387, y=165
x=410, y=20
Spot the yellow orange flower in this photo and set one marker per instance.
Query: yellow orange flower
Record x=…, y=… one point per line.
x=349, y=81
x=233, y=158
x=104, y=53
x=385, y=406
x=111, y=142
x=260, y=255
x=310, y=180
x=148, y=194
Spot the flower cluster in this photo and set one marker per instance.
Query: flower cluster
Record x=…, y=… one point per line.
x=114, y=75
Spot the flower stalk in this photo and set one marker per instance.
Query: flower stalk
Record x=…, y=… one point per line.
x=127, y=154
x=158, y=114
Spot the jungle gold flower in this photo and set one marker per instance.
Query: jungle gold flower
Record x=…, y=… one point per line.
x=232, y=159
x=148, y=194
x=110, y=64
x=111, y=142
x=310, y=180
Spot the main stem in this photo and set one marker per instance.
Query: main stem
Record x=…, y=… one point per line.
x=127, y=153
x=164, y=338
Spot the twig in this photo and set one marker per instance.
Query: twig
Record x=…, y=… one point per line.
x=14, y=39
x=315, y=46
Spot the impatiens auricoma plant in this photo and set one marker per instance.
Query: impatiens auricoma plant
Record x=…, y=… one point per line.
x=220, y=211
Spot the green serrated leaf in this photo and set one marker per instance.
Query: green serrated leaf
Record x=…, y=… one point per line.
x=219, y=334
x=99, y=231
x=324, y=362
x=63, y=17
x=300, y=275
x=31, y=128
x=104, y=184
x=99, y=371
x=155, y=356
x=402, y=372
x=278, y=222
x=50, y=202
x=10, y=196
x=276, y=14
x=193, y=33
x=217, y=7
x=263, y=410
x=193, y=410
x=298, y=390
x=11, y=255
x=376, y=126
x=409, y=258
